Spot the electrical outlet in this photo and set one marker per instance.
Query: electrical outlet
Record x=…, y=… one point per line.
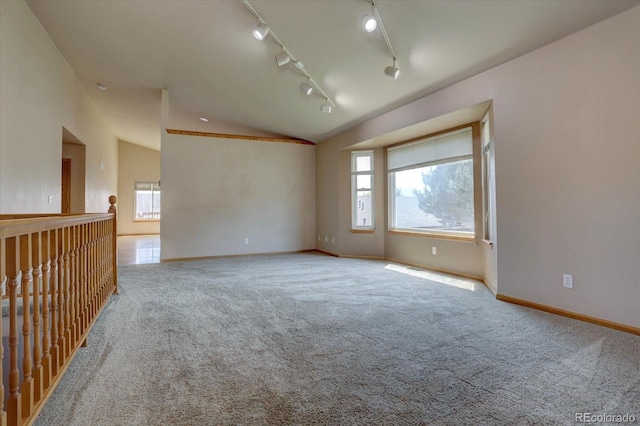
x=434, y=250
x=567, y=281
x=50, y=199
x=246, y=240
x=326, y=239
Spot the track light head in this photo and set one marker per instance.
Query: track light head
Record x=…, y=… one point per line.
x=261, y=31
x=369, y=23
x=306, y=88
x=282, y=59
x=392, y=71
x=326, y=107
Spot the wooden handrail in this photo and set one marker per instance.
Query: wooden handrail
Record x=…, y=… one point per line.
x=56, y=274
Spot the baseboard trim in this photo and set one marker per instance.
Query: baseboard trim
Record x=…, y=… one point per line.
x=328, y=253
x=222, y=256
x=348, y=256
x=569, y=314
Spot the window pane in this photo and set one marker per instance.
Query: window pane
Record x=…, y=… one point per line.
x=363, y=209
x=363, y=181
x=435, y=197
x=156, y=205
x=363, y=163
x=144, y=204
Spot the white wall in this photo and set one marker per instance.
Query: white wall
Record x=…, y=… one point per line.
x=136, y=164
x=217, y=192
x=567, y=177
x=39, y=95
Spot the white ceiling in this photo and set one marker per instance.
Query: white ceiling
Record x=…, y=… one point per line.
x=204, y=54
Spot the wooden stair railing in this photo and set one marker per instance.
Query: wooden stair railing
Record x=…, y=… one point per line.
x=56, y=274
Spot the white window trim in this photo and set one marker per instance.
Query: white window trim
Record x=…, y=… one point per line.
x=354, y=190
x=487, y=147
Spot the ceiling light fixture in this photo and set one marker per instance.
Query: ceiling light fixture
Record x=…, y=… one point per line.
x=369, y=23
x=101, y=86
x=306, y=88
x=206, y=120
x=282, y=59
x=261, y=31
x=286, y=56
x=392, y=71
x=326, y=107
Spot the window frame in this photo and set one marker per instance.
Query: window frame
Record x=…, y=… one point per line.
x=487, y=149
x=155, y=189
x=434, y=233
x=355, y=227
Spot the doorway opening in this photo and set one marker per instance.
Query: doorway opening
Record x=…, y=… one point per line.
x=73, y=174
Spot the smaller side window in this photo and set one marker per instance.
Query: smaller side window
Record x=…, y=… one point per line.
x=362, y=190
x=147, y=200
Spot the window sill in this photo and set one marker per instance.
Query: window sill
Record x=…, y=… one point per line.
x=363, y=231
x=146, y=220
x=464, y=238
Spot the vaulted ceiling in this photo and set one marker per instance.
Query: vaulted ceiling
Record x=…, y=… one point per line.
x=204, y=54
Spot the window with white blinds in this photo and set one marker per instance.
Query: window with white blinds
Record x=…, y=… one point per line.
x=431, y=188
x=457, y=145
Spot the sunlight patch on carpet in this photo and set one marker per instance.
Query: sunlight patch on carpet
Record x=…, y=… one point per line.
x=463, y=283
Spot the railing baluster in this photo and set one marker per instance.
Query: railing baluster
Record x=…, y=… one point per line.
x=64, y=296
x=85, y=273
x=114, y=241
x=94, y=261
x=73, y=277
x=3, y=278
x=46, y=327
x=55, y=308
x=82, y=299
x=14, y=403
x=36, y=261
x=26, y=269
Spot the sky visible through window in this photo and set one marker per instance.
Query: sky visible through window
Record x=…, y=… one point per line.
x=409, y=180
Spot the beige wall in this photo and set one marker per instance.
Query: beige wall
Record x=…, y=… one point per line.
x=136, y=163
x=217, y=192
x=39, y=96
x=566, y=150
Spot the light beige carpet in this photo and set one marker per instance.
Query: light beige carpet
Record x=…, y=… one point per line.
x=308, y=339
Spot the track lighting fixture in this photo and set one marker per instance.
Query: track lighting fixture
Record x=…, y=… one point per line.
x=261, y=31
x=392, y=70
x=282, y=59
x=326, y=106
x=287, y=56
x=306, y=88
